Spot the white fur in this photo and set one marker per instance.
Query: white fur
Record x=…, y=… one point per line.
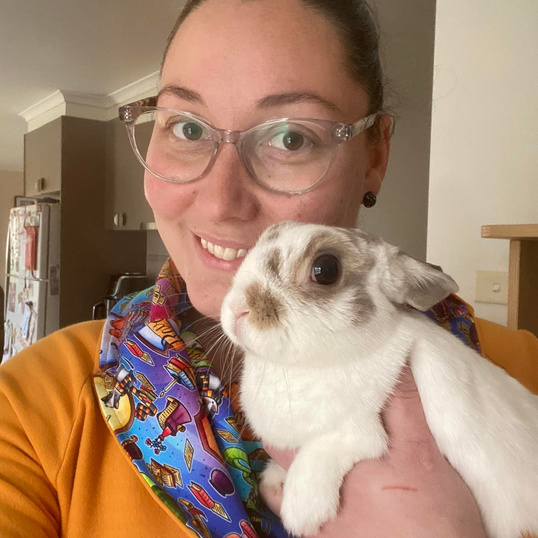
x=318, y=383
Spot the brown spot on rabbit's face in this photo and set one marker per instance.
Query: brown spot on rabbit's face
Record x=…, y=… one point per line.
x=265, y=309
x=364, y=306
x=274, y=264
x=316, y=243
x=274, y=232
x=356, y=257
x=305, y=259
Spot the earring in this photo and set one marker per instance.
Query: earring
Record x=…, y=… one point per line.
x=369, y=199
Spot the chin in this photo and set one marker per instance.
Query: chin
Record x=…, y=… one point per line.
x=206, y=296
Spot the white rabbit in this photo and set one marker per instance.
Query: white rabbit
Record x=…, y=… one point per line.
x=324, y=317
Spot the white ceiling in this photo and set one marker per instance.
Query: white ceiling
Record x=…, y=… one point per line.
x=89, y=46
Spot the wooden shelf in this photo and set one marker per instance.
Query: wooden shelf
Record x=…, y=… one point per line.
x=510, y=231
x=522, y=273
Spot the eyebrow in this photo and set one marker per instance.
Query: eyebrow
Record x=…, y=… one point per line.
x=182, y=93
x=270, y=101
x=287, y=98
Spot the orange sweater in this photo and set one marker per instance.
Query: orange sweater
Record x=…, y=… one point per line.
x=53, y=438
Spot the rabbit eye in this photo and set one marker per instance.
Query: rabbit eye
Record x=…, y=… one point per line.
x=326, y=269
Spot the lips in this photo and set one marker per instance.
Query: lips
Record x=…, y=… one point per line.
x=223, y=253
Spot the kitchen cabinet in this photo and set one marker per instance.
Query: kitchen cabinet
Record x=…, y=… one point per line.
x=74, y=150
x=43, y=159
x=126, y=206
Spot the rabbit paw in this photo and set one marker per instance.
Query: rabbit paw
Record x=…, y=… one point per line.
x=272, y=481
x=309, y=501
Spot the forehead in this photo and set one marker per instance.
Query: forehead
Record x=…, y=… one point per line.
x=234, y=53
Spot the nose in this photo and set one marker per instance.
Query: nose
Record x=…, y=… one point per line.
x=240, y=310
x=227, y=191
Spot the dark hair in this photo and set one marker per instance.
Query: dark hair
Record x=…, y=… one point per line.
x=355, y=22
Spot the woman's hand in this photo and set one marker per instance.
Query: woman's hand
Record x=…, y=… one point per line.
x=412, y=492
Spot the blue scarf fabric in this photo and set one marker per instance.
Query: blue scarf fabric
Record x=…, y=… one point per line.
x=179, y=425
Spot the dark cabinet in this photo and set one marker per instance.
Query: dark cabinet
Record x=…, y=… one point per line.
x=71, y=154
x=43, y=159
x=126, y=206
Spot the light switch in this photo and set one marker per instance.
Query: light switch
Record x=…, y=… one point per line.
x=491, y=287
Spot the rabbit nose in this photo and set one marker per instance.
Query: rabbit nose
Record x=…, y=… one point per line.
x=239, y=307
x=239, y=310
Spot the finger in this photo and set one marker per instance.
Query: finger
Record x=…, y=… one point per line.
x=272, y=498
x=403, y=415
x=406, y=386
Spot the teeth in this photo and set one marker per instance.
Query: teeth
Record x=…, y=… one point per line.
x=229, y=254
x=224, y=253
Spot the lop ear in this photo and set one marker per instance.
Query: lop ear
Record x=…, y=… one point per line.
x=418, y=284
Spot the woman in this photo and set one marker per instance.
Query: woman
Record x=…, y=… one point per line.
x=230, y=64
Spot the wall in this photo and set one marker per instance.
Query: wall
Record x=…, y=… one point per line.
x=407, y=39
x=484, y=155
x=11, y=185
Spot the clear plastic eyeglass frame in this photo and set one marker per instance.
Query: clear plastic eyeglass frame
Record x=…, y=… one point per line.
x=340, y=133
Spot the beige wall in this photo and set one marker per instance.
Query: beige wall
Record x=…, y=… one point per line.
x=11, y=185
x=484, y=158
x=407, y=39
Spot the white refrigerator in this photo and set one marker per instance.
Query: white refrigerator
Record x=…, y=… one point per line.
x=32, y=284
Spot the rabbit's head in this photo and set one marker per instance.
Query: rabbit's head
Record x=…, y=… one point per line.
x=308, y=294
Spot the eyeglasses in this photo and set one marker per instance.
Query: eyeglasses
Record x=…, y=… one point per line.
x=285, y=156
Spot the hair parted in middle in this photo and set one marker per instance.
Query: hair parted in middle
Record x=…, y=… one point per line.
x=356, y=24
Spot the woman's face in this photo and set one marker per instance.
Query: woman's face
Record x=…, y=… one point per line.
x=230, y=55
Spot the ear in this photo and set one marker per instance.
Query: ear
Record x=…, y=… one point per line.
x=379, y=154
x=418, y=284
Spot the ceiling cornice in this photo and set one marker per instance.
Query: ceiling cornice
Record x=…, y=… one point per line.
x=145, y=87
x=86, y=105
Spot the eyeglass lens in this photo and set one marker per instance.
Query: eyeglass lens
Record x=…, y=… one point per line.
x=284, y=155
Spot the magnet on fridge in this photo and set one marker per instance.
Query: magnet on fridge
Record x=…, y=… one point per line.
x=11, y=296
x=30, y=258
x=28, y=291
x=26, y=320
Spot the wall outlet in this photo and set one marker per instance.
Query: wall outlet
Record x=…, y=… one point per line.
x=491, y=287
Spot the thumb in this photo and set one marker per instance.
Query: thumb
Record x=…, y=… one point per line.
x=403, y=415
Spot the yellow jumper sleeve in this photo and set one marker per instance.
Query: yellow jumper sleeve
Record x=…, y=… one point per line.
x=62, y=473
x=515, y=351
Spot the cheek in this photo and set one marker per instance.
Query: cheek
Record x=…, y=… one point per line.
x=336, y=201
x=166, y=199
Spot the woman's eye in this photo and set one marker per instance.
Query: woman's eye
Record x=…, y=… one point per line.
x=326, y=269
x=188, y=130
x=290, y=140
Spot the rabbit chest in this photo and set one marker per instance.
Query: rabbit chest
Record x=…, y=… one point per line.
x=288, y=405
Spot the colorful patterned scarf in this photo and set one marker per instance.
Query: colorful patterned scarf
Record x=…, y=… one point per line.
x=179, y=425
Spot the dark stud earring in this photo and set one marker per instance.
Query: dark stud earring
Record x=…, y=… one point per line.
x=369, y=199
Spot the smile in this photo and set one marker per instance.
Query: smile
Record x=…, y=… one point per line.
x=223, y=253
